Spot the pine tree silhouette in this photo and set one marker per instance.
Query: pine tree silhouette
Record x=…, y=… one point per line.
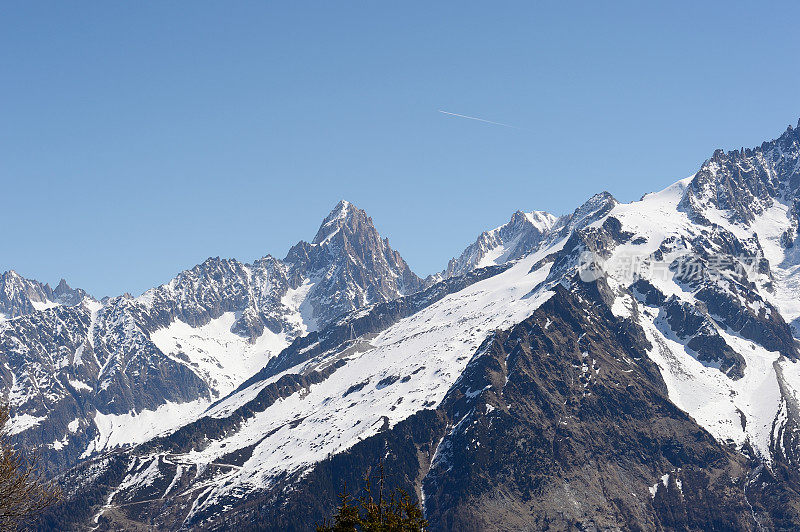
x=398, y=513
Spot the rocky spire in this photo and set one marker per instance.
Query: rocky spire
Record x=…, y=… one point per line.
x=352, y=264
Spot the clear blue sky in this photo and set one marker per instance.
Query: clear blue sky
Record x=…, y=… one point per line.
x=139, y=138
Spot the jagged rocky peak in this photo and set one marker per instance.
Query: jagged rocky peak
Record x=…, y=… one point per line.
x=745, y=182
x=591, y=210
x=540, y=221
x=349, y=233
x=349, y=265
x=20, y=296
x=348, y=229
x=201, y=293
x=521, y=235
x=62, y=288
x=218, y=286
x=343, y=214
x=524, y=233
x=66, y=295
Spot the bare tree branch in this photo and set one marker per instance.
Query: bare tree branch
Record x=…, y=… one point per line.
x=23, y=495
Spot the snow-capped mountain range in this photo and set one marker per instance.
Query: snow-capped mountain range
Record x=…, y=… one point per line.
x=660, y=391
x=76, y=370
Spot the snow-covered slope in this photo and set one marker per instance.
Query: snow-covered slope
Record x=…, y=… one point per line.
x=368, y=385
x=739, y=409
x=382, y=381
x=520, y=236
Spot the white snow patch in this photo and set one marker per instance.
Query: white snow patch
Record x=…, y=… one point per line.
x=142, y=478
x=302, y=313
x=60, y=444
x=221, y=358
x=714, y=400
x=129, y=429
x=23, y=422
x=43, y=305
x=78, y=385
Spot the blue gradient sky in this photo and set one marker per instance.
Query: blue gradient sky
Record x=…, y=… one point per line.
x=137, y=139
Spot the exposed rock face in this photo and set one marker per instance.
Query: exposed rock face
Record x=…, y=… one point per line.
x=350, y=265
x=573, y=428
x=65, y=295
x=20, y=296
x=218, y=286
x=746, y=182
x=700, y=334
x=524, y=233
x=17, y=295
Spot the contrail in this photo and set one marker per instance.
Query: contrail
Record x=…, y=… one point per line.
x=479, y=119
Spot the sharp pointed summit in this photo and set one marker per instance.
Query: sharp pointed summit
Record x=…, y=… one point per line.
x=344, y=214
x=350, y=265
